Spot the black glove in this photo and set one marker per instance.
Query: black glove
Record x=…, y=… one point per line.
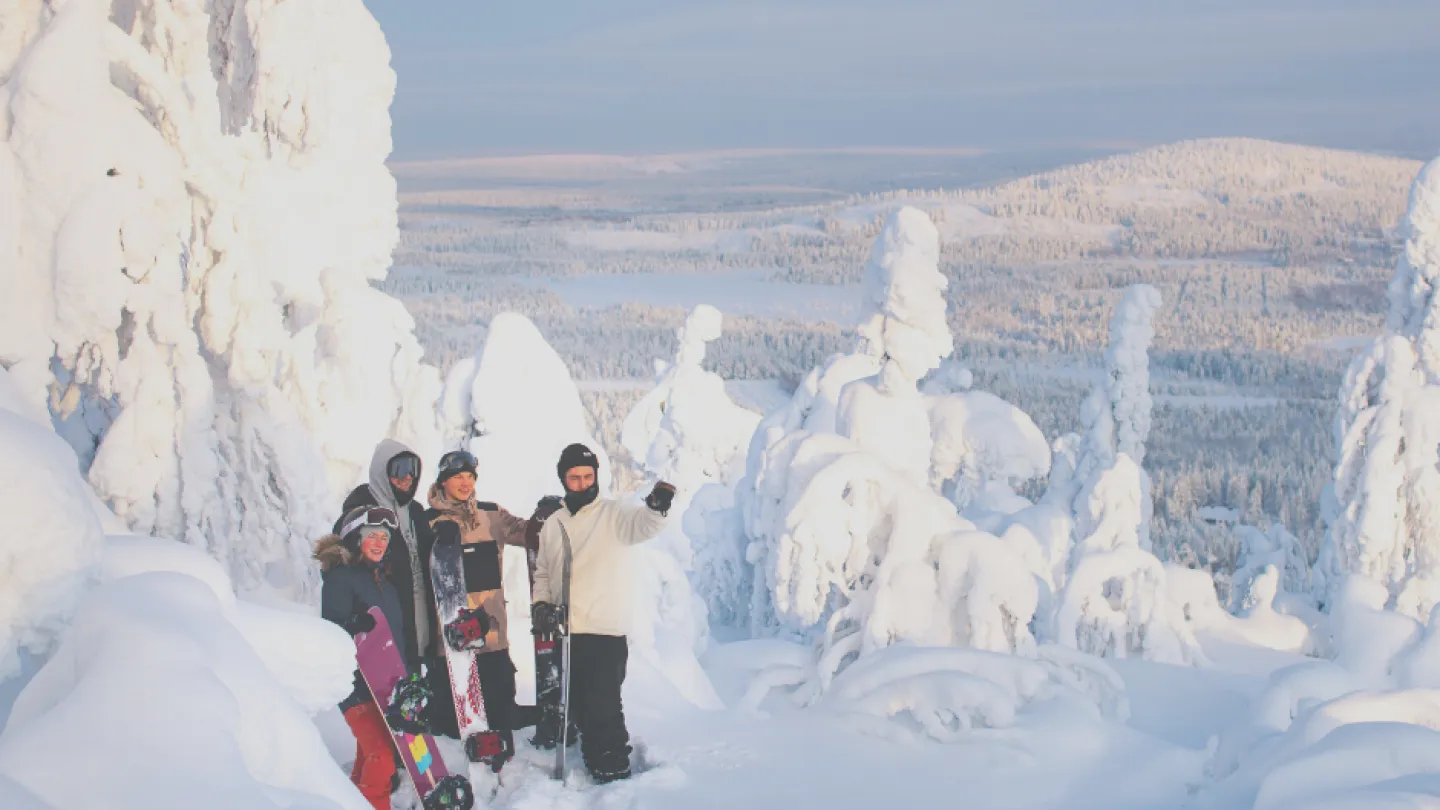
x=359, y=623
x=546, y=507
x=542, y=615
x=661, y=497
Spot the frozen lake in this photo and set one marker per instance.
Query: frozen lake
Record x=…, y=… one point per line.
x=744, y=292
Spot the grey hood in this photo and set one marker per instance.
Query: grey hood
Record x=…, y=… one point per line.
x=379, y=481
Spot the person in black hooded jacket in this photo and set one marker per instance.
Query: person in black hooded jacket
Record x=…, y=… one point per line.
x=394, y=481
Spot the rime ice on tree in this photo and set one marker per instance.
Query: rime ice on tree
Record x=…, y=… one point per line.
x=1113, y=601
x=689, y=432
x=195, y=202
x=1384, y=504
x=849, y=543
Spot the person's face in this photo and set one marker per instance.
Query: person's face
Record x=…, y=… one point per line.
x=402, y=472
x=579, y=479
x=372, y=544
x=460, y=486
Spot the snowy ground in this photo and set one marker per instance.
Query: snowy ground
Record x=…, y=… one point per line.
x=786, y=757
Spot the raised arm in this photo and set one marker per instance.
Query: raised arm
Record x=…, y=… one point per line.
x=638, y=523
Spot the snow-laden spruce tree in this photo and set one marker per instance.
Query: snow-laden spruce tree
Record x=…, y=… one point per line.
x=689, y=432
x=1384, y=505
x=1112, y=601
x=851, y=547
x=516, y=407
x=1275, y=548
x=193, y=201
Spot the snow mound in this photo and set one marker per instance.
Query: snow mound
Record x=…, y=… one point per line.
x=944, y=692
x=129, y=555
x=13, y=399
x=312, y=659
x=163, y=699
x=53, y=541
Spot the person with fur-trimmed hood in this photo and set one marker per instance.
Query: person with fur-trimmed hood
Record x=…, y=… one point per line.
x=394, y=480
x=355, y=579
x=593, y=536
x=483, y=530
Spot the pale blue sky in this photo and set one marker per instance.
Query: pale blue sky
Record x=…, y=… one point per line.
x=487, y=76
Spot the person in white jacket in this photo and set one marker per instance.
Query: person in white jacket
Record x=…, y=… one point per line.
x=600, y=533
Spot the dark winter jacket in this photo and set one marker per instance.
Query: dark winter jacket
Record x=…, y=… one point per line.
x=352, y=585
x=399, y=554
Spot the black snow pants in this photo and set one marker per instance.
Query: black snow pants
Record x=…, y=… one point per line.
x=596, y=674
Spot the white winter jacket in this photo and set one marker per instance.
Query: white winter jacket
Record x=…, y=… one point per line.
x=601, y=535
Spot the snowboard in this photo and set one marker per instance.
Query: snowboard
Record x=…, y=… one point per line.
x=383, y=668
x=464, y=628
x=548, y=674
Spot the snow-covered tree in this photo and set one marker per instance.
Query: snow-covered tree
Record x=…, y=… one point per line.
x=983, y=448
x=885, y=414
x=1384, y=503
x=515, y=406
x=1275, y=548
x=689, y=432
x=193, y=201
x=851, y=547
x=1112, y=601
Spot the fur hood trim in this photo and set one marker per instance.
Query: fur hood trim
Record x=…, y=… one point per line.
x=332, y=553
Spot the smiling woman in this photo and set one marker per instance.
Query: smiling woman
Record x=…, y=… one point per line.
x=639, y=75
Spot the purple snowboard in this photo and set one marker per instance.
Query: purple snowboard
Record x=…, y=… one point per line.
x=383, y=667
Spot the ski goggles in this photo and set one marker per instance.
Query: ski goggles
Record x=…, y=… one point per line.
x=403, y=466
x=370, y=516
x=456, y=461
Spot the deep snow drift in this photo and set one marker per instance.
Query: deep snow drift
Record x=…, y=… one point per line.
x=135, y=662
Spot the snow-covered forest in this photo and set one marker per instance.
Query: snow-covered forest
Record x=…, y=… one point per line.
x=1110, y=485
x=1272, y=262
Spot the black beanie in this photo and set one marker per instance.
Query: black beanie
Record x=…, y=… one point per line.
x=576, y=455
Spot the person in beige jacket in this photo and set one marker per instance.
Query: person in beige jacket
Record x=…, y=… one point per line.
x=600, y=533
x=483, y=530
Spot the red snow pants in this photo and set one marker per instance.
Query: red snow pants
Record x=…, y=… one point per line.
x=374, y=756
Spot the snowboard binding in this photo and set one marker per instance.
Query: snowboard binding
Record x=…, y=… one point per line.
x=452, y=793
x=408, y=704
x=549, y=622
x=490, y=747
x=467, y=630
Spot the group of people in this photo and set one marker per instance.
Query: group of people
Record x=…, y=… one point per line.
x=379, y=556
